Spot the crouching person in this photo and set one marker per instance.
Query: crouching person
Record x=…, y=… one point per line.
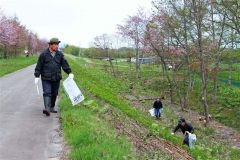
x=186, y=129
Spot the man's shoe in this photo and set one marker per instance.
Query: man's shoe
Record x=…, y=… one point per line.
x=53, y=111
x=47, y=104
x=46, y=112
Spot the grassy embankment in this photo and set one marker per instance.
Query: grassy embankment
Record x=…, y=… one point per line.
x=105, y=87
x=226, y=110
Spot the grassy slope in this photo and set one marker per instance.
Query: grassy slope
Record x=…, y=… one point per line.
x=235, y=75
x=110, y=89
x=14, y=64
x=225, y=111
x=89, y=136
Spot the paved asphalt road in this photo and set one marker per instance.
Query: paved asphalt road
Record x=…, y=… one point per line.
x=25, y=133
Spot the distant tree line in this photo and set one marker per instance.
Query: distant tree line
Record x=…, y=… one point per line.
x=71, y=49
x=100, y=53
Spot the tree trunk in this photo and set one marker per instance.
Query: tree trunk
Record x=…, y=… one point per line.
x=15, y=51
x=5, y=52
x=199, y=21
x=217, y=46
x=171, y=86
x=110, y=62
x=180, y=96
x=204, y=84
x=215, y=84
x=137, y=59
x=187, y=51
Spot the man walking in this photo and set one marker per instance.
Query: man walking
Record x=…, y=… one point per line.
x=49, y=67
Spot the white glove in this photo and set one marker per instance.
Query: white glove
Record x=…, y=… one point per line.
x=172, y=133
x=71, y=76
x=36, y=80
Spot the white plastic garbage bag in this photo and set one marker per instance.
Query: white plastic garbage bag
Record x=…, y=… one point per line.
x=192, y=139
x=37, y=90
x=151, y=111
x=73, y=91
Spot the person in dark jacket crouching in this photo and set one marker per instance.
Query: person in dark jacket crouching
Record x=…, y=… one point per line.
x=49, y=67
x=186, y=128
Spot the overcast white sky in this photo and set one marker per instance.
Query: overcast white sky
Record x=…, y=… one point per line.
x=73, y=21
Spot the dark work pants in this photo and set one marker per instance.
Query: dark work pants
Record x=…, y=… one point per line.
x=186, y=140
x=157, y=112
x=50, y=89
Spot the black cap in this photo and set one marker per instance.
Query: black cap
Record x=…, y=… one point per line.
x=181, y=120
x=54, y=41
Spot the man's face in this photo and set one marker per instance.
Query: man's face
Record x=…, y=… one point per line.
x=183, y=123
x=53, y=47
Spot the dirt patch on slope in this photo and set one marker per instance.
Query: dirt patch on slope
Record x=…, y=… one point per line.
x=142, y=139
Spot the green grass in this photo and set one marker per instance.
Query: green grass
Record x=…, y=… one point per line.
x=13, y=64
x=225, y=72
x=226, y=110
x=235, y=76
x=89, y=136
x=111, y=90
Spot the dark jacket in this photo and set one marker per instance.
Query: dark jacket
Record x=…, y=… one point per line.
x=49, y=67
x=186, y=127
x=157, y=105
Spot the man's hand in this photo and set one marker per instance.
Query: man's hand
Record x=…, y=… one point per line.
x=186, y=133
x=172, y=133
x=36, y=80
x=71, y=76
